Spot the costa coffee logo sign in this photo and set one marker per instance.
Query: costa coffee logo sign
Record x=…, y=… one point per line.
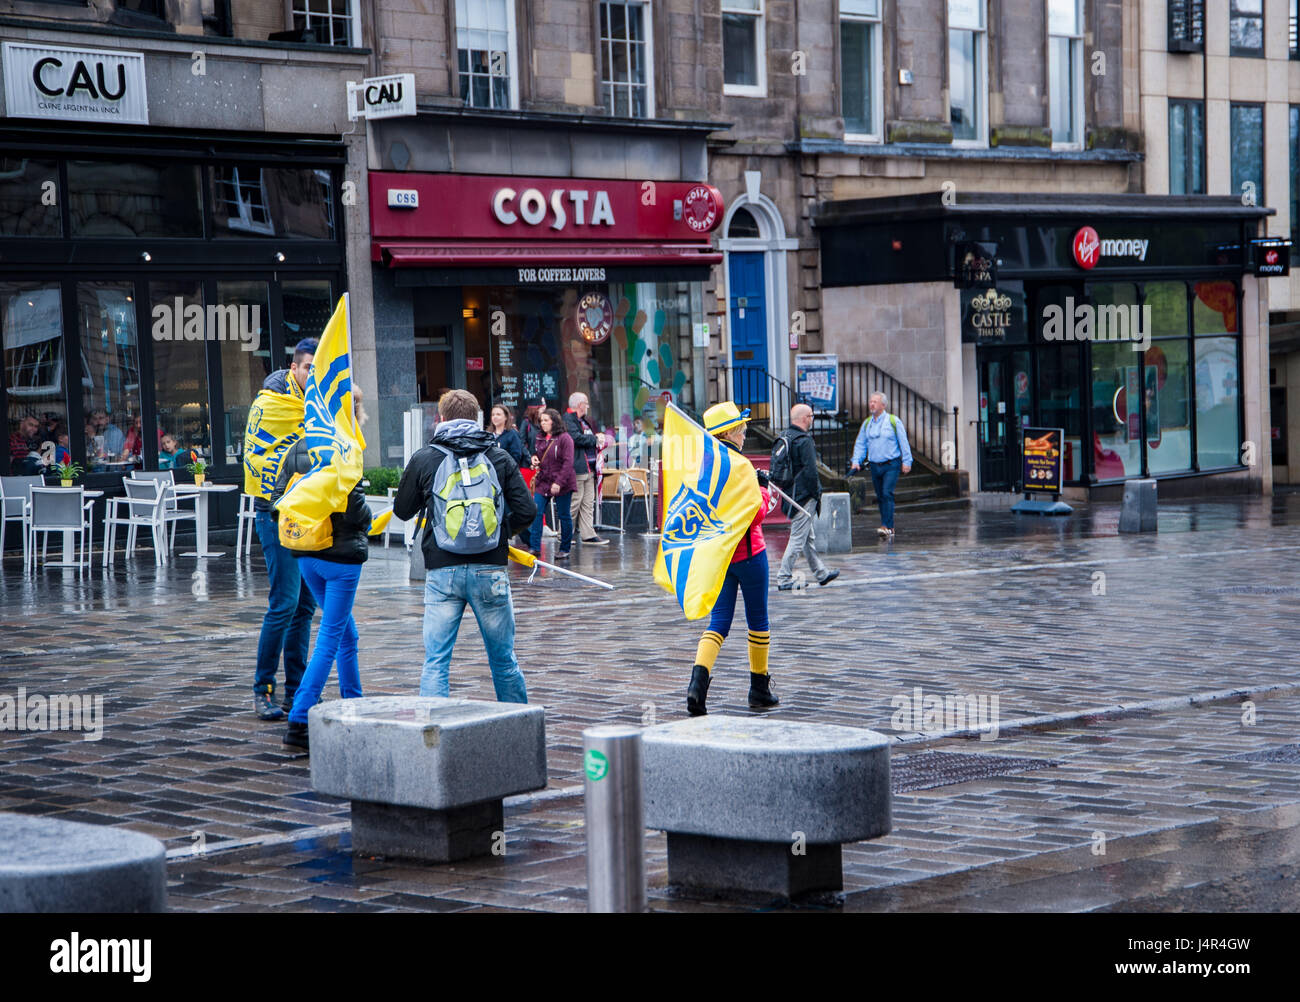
x=1089, y=248
x=701, y=208
x=42, y=81
x=595, y=317
x=534, y=208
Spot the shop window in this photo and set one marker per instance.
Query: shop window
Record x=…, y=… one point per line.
x=31, y=323
x=627, y=60
x=860, y=67
x=1060, y=388
x=250, y=201
x=485, y=53
x=29, y=202
x=967, y=71
x=1116, y=393
x=1246, y=27
x=110, y=376
x=1065, y=70
x=1186, y=25
x=1186, y=148
x=108, y=199
x=1214, y=308
x=1248, y=152
x=744, y=48
x=242, y=371
x=307, y=305
x=177, y=328
x=1168, y=414
x=334, y=22
x=1218, y=407
x=1168, y=307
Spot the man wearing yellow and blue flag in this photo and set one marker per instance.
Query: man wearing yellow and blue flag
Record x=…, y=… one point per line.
x=712, y=543
x=274, y=425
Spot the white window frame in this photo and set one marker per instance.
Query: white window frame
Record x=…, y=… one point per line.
x=229, y=181
x=877, y=81
x=512, y=49
x=647, y=15
x=760, y=51
x=981, y=77
x=296, y=7
x=1076, y=49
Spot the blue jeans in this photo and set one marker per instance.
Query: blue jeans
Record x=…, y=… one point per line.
x=335, y=588
x=486, y=587
x=287, y=624
x=561, y=513
x=883, y=478
x=750, y=577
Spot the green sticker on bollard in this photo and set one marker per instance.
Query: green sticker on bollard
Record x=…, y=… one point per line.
x=597, y=765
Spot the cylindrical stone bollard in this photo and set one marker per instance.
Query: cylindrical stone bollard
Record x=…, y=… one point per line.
x=611, y=757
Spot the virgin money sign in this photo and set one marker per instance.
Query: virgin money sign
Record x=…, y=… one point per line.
x=1086, y=247
x=515, y=209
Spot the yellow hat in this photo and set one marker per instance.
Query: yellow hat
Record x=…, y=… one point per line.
x=721, y=418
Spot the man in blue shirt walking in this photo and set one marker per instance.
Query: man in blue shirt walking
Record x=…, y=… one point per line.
x=882, y=442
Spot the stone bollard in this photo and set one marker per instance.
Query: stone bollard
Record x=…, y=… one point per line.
x=833, y=527
x=1139, y=511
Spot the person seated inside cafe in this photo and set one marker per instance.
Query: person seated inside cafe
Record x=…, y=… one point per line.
x=172, y=455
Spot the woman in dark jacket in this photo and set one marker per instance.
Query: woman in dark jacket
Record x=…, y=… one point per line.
x=553, y=461
x=332, y=574
x=503, y=429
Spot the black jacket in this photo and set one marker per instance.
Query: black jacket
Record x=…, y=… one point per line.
x=417, y=484
x=584, y=443
x=513, y=444
x=807, y=487
x=348, y=526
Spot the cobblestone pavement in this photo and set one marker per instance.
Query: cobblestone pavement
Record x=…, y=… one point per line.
x=1050, y=616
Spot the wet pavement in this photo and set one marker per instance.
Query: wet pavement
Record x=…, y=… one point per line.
x=1149, y=808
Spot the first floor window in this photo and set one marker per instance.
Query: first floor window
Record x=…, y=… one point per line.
x=332, y=21
x=1186, y=25
x=1186, y=148
x=626, y=52
x=1248, y=151
x=967, y=70
x=1065, y=70
x=860, y=66
x=1246, y=27
x=485, y=56
x=743, y=47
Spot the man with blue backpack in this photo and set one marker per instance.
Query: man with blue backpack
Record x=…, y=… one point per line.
x=882, y=442
x=473, y=500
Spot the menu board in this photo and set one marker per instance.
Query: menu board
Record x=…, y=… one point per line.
x=1043, y=453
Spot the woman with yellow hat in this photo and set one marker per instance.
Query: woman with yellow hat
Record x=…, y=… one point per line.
x=747, y=574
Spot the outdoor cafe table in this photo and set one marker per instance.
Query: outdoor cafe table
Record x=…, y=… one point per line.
x=69, y=547
x=201, y=508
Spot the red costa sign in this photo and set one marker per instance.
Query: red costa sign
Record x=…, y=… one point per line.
x=1086, y=247
x=525, y=209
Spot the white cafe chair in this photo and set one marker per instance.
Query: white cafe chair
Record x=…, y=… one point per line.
x=16, y=503
x=246, y=527
x=172, y=510
x=145, y=506
x=60, y=509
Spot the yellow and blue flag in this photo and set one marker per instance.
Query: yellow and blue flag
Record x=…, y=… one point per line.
x=274, y=425
x=334, y=441
x=712, y=496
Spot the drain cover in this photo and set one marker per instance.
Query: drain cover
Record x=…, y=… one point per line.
x=1288, y=754
x=928, y=770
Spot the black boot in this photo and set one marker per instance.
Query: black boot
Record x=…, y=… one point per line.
x=697, y=691
x=760, y=692
x=296, y=736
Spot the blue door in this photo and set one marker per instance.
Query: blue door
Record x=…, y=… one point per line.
x=748, y=315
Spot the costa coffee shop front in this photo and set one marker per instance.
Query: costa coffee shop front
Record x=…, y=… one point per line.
x=1135, y=323
x=525, y=285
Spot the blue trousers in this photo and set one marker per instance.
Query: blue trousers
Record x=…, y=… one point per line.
x=883, y=478
x=562, y=502
x=749, y=577
x=485, y=588
x=335, y=587
x=287, y=624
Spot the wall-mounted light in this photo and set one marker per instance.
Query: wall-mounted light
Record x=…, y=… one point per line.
x=279, y=257
x=146, y=257
x=469, y=313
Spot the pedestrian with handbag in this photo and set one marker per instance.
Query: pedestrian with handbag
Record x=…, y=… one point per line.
x=554, y=479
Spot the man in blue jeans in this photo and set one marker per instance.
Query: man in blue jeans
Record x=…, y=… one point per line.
x=287, y=624
x=481, y=580
x=882, y=441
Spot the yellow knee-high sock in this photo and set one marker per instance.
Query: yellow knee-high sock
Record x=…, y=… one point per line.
x=707, y=652
x=758, y=643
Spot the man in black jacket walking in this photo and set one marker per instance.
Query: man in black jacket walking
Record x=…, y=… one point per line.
x=587, y=442
x=453, y=580
x=806, y=489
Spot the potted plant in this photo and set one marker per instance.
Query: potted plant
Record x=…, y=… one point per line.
x=67, y=471
x=200, y=470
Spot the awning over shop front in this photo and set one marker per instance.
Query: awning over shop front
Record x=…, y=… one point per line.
x=451, y=254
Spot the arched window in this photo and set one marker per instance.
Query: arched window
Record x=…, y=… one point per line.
x=743, y=224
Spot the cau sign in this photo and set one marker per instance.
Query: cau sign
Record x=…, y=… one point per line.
x=85, y=85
